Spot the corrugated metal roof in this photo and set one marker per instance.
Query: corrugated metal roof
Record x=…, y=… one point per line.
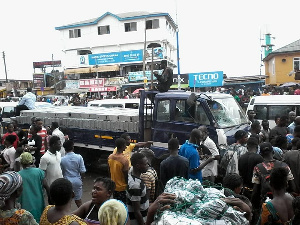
x=290, y=48
x=295, y=46
x=120, y=17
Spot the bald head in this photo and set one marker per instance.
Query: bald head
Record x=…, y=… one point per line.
x=297, y=120
x=196, y=136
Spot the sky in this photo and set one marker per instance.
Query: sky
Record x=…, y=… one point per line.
x=214, y=35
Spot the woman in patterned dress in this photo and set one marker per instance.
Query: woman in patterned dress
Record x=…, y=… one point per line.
x=10, y=190
x=61, y=193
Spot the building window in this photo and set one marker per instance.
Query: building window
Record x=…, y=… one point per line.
x=152, y=24
x=103, y=30
x=296, y=64
x=130, y=26
x=76, y=33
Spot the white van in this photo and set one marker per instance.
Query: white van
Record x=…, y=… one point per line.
x=8, y=110
x=132, y=103
x=267, y=107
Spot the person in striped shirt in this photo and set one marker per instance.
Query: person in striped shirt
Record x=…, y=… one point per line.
x=136, y=194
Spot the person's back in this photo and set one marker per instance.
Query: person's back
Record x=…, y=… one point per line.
x=292, y=158
x=248, y=161
x=174, y=165
x=32, y=197
x=61, y=194
x=279, y=210
x=234, y=152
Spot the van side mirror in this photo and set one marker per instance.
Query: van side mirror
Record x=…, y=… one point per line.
x=192, y=99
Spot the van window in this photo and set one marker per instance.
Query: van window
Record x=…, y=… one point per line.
x=111, y=105
x=184, y=112
x=200, y=115
x=8, y=111
x=163, y=111
x=132, y=105
x=269, y=112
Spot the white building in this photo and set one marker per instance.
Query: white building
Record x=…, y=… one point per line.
x=113, y=44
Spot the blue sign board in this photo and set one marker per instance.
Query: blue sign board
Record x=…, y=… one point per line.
x=132, y=56
x=116, y=57
x=206, y=79
x=104, y=58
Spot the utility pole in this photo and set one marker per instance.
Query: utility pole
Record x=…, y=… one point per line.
x=3, y=53
x=54, y=75
x=144, y=58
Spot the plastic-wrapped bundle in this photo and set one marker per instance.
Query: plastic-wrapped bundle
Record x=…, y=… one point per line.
x=171, y=218
x=198, y=205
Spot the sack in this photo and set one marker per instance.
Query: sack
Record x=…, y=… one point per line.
x=265, y=177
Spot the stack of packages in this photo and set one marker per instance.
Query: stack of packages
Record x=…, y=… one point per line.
x=198, y=206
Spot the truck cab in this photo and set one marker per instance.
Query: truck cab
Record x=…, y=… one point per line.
x=177, y=113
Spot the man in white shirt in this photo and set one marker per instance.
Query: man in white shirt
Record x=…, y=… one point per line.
x=50, y=161
x=57, y=132
x=210, y=171
x=27, y=102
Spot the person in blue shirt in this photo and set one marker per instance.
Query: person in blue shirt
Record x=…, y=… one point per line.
x=189, y=151
x=27, y=102
x=73, y=168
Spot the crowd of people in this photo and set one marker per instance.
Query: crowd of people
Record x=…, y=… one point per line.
x=259, y=174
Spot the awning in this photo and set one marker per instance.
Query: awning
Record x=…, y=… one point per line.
x=105, y=68
x=74, y=90
x=77, y=70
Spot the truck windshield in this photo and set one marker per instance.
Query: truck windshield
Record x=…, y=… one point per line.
x=227, y=112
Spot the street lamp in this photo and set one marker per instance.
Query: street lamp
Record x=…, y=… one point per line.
x=152, y=46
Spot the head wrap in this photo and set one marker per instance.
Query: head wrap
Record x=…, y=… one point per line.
x=9, y=182
x=26, y=158
x=113, y=212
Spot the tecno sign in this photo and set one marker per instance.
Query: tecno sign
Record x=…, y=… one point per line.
x=206, y=79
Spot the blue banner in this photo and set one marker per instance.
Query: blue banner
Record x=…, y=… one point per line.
x=116, y=57
x=104, y=58
x=206, y=79
x=132, y=56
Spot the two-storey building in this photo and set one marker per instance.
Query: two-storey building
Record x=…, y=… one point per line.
x=283, y=65
x=112, y=46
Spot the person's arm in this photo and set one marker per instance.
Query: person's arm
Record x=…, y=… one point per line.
x=202, y=165
x=147, y=180
x=82, y=210
x=125, y=170
x=47, y=189
x=143, y=144
x=82, y=168
x=255, y=197
x=22, y=101
x=137, y=212
x=162, y=203
x=238, y=204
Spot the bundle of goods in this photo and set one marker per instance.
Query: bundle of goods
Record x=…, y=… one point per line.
x=198, y=206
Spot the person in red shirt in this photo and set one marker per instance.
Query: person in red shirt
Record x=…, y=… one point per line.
x=10, y=131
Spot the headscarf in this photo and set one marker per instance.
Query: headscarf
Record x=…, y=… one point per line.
x=113, y=212
x=26, y=158
x=9, y=182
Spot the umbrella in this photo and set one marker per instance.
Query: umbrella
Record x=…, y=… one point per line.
x=289, y=84
x=136, y=91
